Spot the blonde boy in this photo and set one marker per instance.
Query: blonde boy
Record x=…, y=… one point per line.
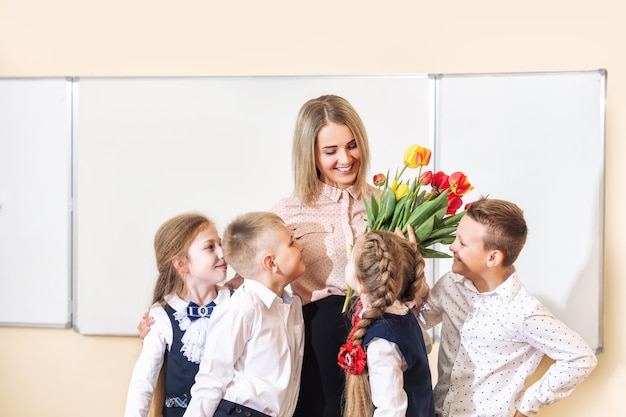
x=493, y=333
x=252, y=362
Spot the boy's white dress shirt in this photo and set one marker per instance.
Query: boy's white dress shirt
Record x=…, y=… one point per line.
x=492, y=342
x=254, y=354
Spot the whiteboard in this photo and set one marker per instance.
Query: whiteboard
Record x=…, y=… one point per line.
x=537, y=139
x=35, y=200
x=149, y=148
x=128, y=153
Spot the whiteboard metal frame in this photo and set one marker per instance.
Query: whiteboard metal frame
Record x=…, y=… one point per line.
x=41, y=308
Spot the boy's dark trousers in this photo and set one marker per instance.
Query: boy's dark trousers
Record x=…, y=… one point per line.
x=228, y=408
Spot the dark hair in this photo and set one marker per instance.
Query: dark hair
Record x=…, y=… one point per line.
x=505, y=226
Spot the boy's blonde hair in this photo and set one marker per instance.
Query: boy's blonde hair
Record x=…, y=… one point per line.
x=313, y=116
x=505, y=225
x=245, y=237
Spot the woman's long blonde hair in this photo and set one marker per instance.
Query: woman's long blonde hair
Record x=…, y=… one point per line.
x=313, y=116
x=389, y=268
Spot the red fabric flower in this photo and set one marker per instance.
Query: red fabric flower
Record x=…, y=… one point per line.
x=352, y=359
x=356, y=317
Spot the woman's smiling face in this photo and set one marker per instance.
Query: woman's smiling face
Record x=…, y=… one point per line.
x=337, y=156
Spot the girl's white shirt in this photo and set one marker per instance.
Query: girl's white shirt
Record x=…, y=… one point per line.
x=150, y=361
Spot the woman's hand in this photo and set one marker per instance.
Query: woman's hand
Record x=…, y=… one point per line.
x=144, y=325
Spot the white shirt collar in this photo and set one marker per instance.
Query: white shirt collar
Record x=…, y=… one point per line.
x=179, y=304
x=266, y=295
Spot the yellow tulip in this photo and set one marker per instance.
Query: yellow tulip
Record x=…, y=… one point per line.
x=401, y=190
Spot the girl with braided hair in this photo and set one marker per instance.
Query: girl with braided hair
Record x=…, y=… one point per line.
x=385, y=358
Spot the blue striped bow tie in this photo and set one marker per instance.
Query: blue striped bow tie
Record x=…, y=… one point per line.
x=194, y=311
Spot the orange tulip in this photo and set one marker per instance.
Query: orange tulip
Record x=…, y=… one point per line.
x=423, y=156
x=416, y=156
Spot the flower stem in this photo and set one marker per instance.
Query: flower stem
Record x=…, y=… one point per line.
x=349, y=294
x=401, y=172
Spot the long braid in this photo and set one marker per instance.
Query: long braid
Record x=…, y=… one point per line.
x=414, y=286
x=380, y=274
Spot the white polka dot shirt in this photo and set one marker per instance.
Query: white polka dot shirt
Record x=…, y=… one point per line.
x=492, y=342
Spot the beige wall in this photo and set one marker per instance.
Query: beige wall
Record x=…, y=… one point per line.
x=55, y=372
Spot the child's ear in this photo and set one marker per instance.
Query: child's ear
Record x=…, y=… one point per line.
x=269, y=264
x=180, y=264
x=496, y=257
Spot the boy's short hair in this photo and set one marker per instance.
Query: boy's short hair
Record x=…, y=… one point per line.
x=505, y=224
x=244, y=238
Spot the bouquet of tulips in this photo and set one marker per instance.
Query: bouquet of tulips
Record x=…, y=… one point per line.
x=428, y=202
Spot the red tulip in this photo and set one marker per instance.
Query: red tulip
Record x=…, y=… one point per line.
x=426, y=177
x=440, y=181
x=454, y=203
x=459, y=184
x=379, y=180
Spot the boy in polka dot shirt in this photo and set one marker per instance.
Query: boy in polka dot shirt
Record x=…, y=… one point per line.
x=493, y=333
